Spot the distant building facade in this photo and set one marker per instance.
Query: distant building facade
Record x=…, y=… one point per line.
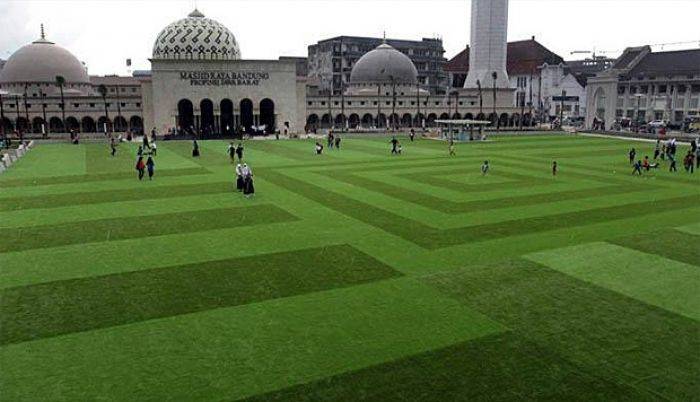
x=330, y=61
x=643, y=85
x=32, y=100
x=539, y=77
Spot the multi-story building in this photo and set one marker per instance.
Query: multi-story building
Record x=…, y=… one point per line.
x=643, y=85
x=331, y=61
x=542, y=80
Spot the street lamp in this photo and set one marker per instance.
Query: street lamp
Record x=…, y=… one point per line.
x=494, y=75
x=636, y=113
x=561, y=109
x=2, y=114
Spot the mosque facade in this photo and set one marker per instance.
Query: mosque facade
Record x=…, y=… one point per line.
x=199, y=83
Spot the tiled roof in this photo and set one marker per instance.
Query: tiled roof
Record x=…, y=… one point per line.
x=523, y=57
x=669, y=63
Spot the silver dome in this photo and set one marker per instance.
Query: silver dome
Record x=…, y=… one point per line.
x=384, y=65
x=196, y=38
x=41, y=62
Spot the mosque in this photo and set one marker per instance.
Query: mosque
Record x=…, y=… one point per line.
x=199, y=83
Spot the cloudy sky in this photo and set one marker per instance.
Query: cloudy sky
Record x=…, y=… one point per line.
x=103, y=33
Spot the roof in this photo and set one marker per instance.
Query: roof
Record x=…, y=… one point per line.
x=523, y=57
x=113, y=80
x=669, y=63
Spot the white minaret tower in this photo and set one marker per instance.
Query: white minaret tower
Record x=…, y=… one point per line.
x=489, y=36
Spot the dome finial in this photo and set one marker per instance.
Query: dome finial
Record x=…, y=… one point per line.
x=196, y=14
x=43, y=36
x=384, y=38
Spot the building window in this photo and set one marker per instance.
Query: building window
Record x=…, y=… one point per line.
x=92, y=105
x=76, y=105
x=138, y=104
x=310, y=103
x=133, y=89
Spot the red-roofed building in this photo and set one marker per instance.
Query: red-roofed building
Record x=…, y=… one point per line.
x=538, y=74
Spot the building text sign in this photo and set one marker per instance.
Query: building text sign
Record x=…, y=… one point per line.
x=224, y=78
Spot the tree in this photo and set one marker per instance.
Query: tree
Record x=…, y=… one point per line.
x=102, y=89
x=60, y=82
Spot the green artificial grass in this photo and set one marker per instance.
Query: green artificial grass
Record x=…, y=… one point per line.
x=352, y=275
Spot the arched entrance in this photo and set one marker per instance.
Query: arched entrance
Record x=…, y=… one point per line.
x=247, y=118
x=72, y=123
x=503, y=120
x=206, y=116
x=469, y=116
x=228, y=123
x=340, y=121
x=354, y=120
x=22, y=124
x=56, y=125
x=367, y=120
x=37, y=123
x=312, y=122
x=120, y=124
x=430, y=122
x=103, y=122
x=7, y=125
x=185, y=115
x=267, y=115
x=88, y=125
x=325, y=121
x=381, y=120
x=407, y=120
x=136, y=124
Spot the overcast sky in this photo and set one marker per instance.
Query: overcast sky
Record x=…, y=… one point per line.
x=103, y=33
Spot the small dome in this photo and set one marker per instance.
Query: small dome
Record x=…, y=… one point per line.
x=42, y=61
x=384, y=65
x=196, y=38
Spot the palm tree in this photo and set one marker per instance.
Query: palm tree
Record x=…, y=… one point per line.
x=60, y=82
x=102, y=89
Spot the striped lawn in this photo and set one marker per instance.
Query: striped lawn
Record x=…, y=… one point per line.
x=353, y=275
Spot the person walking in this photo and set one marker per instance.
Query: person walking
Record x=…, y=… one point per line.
x=452, y=148
x=337, y=142
x=231, y=151
x=151, y=166
x=394, y=145
x=249, y=188
x=240, y=183
x=195, y=149
x=239, y=152
x=113, y=146
x=140, y=167
x=555, y=168
x=154, y=148
x=632, y=155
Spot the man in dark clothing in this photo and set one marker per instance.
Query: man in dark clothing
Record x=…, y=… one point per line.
x=633, y=154
x=394, y=145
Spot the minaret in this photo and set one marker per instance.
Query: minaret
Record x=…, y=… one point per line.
x=487, y=52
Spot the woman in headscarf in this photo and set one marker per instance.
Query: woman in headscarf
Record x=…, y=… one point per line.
x=240, y=183
x=195, y=148
x=248, y=187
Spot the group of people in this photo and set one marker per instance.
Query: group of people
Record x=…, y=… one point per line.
x=666, y=151
x=147, y=149
x=234, y=151
x=333, y=140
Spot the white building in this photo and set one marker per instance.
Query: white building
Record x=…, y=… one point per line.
x=643, y=85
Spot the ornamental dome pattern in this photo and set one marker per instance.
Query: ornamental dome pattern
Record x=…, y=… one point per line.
x=196, y=38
